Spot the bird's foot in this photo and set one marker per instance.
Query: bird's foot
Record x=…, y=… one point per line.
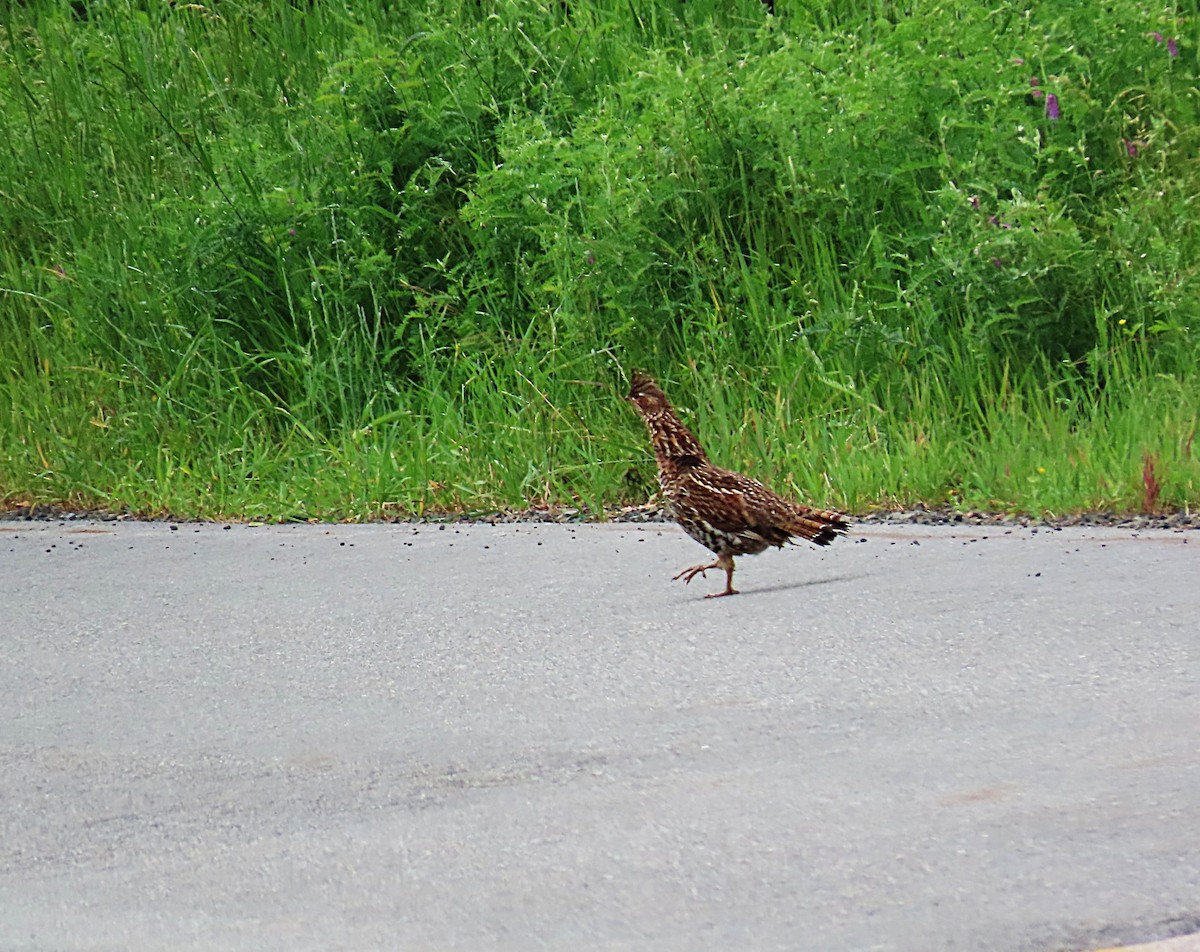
x=728, y=591
x=688, y=574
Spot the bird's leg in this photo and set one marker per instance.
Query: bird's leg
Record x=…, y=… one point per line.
x=688, y=574
x=725, y=562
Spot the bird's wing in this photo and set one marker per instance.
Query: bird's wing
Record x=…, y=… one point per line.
x=731, y=502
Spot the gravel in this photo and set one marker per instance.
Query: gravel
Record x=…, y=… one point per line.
x=920, y=515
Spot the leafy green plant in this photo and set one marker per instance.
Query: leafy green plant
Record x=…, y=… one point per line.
x=354, y=260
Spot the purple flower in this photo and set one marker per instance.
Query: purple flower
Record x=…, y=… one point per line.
x=1019, y=60
x=590, y=258
x=1172, y=47
x=292, y=232
x=1131, y=148
x=1158, y=37
x=974, y=200
x=1052, y=110
x=997, y=262
x=1035, y=92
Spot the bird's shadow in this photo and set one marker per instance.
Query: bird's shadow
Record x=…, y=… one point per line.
x=809, y=583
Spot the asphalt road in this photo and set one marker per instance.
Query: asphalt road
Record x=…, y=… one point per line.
x=523, y=736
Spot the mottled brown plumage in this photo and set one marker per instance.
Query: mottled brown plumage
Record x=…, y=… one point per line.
x=724, y=511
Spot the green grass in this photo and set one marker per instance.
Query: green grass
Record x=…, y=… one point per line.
x=331, y=260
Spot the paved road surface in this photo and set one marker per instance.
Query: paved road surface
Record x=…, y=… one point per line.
x=522, y=737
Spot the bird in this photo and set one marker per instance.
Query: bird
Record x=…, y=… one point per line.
x=724, y=511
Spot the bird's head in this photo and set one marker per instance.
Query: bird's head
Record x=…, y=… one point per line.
x=645, y=394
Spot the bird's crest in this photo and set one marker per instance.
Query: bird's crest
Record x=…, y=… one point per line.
x=646, y=393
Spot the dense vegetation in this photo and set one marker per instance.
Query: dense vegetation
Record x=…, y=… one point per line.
x=332, y=259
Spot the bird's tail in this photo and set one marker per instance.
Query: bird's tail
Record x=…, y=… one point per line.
x=819, y=526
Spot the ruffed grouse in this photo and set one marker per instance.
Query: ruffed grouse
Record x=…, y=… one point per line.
x=728, y=513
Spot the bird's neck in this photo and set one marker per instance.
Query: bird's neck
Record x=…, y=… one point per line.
x=672, y=440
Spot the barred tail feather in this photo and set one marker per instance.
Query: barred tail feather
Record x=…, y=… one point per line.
x=819, y=526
